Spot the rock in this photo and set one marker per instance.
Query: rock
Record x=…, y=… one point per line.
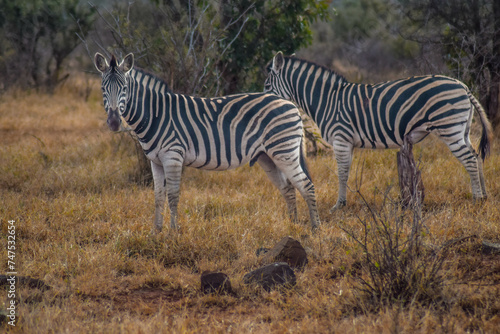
x=272, y=275
x=215, y=282
x=287, y=250
x=490, y=247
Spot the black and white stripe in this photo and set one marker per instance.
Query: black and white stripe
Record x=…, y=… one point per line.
x=220, y=133
x=381, y=115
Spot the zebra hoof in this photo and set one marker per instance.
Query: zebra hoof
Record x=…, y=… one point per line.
x=339, y=205
x=480, y=200
x=155, y=231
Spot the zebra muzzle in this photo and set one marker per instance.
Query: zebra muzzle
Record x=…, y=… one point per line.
x=114, y=120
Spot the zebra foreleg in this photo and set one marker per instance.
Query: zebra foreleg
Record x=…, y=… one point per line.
x=343, y=155
x=160, y=194
x=173, y=170
x=281, y=182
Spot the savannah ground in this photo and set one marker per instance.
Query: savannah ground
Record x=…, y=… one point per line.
x=83, y=225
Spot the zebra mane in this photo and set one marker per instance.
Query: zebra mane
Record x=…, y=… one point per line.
x=338, y=77
x=154, y=76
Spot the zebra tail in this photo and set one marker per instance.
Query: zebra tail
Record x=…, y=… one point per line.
x=487, y=135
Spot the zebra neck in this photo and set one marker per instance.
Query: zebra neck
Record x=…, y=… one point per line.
x=313, y=86
x=147, y=103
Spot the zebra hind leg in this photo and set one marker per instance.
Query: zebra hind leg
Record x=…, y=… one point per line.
x=481, y=177
x=295, y=173
x=479, y=163
x=465, y=153
x=281, y=182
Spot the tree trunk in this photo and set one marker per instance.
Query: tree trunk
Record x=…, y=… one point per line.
x=410, y=180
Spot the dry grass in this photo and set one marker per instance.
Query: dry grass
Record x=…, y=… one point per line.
x=83, y=226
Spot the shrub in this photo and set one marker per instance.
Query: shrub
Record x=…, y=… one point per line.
x=396, y=266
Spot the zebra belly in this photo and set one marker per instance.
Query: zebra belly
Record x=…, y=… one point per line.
x=378, y=145
x=214, y=163
x=366, y=142
x=415, y=135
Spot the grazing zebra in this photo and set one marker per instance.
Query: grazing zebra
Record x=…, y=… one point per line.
x=220, y=133
x=381, y=115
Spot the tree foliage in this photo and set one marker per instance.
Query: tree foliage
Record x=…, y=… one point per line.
x=271, y=26
x=180, y=41
x=37, y=36
x=361, y=39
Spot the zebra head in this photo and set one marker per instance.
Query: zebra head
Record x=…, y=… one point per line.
x=114, y=86
x=275, y=82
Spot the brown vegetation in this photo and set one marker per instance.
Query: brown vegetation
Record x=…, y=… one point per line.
x=83, y=227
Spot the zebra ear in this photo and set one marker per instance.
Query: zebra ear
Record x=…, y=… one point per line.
x=127, y=63
x=278, y=62
x=100, y=62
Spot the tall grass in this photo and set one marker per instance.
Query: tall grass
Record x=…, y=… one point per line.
x=83, y=226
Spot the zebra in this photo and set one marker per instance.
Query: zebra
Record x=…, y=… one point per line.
x=382, y=115
x=221, y=133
